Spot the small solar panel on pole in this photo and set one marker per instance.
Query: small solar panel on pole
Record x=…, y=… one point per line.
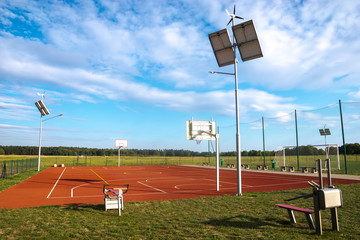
x=245, y=39
x=43, y=112
x=325, y=132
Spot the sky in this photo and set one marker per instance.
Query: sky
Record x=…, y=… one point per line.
x=137, y=70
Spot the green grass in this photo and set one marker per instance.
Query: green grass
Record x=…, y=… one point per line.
x=251, y=216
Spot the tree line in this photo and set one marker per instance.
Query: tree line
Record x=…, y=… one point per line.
x=353, y=148
x=74, y=151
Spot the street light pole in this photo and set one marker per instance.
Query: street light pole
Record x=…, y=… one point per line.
x=245, y=40
x=40, y=143
x=238, y=148
x=43, y=112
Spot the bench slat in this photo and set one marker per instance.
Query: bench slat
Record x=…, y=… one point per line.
x=295, y=208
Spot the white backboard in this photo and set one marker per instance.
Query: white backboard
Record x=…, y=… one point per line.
x=121, y=143
x=200, y=130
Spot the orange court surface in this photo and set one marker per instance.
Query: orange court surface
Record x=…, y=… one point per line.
x=84, y=185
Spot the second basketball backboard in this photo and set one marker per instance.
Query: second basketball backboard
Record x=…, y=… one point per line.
x=200, y=130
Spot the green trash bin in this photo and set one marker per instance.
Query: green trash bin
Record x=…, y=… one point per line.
x=222, y=162
x=273, y=163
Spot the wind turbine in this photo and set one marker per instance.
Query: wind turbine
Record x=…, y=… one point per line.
x=232, y=15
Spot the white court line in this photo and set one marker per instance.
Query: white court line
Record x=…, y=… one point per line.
x=56, y=183
x=152, y=187
x=72, y=189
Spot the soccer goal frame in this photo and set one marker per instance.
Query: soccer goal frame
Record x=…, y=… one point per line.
x=327, y=152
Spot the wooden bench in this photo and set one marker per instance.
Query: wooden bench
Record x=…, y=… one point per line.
x=290, y=168
x=231, y=166
x=291, y=210
x=261, y=167
x=306, y=169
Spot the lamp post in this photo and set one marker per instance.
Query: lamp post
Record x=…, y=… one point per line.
x=245, y=39
x=324, y=132
x=43, y=112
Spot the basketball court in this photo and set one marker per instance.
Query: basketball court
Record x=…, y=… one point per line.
x=84, y=185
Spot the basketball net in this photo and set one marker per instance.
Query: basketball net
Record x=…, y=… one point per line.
x=198, y=142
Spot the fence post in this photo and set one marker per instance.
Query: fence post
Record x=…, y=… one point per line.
x=263, y=133
x=343, y=136
x=3, y=175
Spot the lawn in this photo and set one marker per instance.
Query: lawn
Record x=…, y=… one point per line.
x=251, y=216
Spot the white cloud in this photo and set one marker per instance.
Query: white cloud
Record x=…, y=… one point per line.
x=124, y=52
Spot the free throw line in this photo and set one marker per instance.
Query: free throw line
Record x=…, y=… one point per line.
x=56, y=183
x=100, y=177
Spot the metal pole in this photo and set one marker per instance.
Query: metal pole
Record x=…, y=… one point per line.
x=297, y=141
x=119, y=157
x=39, y=143
x=326, y=149
x=263, y=132
x=217, y=162
x=343, y=137
x=209, y=152
x=238, y=149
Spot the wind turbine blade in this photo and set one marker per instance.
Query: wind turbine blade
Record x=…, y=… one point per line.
x=234, y=9
x=229, y=21
x=227, y=12
x=239, y=17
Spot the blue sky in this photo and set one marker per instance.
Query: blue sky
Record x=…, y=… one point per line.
x=137, y=70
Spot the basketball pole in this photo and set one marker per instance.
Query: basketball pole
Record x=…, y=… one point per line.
x=119, y=157
x=217, y=163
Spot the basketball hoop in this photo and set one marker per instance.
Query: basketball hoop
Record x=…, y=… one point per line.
x=198, y=142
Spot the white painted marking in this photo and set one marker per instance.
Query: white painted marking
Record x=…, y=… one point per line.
x=56, y=183
x=152, y=187
x=72, y=189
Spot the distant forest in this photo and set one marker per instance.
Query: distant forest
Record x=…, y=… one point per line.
x=353, y=148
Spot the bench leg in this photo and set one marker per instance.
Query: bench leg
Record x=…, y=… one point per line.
x=292, y=216
x=310, y=221
x=119, y=206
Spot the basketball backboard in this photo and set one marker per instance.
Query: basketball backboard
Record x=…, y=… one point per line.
x=121, y=143
x=200, y=130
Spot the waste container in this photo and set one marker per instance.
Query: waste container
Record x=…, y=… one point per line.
x=222, y=162
x=273, y=163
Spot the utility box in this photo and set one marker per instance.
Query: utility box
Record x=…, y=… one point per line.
x=330, y=198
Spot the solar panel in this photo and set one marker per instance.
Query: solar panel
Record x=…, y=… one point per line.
x=324, y=132
x=42, y=108
x=247, y=41
x=222, y=47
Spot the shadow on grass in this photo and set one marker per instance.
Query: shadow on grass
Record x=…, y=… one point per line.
x=79, y=207
x=246, y=222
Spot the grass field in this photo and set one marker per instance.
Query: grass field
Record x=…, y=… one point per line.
x=251, y=216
